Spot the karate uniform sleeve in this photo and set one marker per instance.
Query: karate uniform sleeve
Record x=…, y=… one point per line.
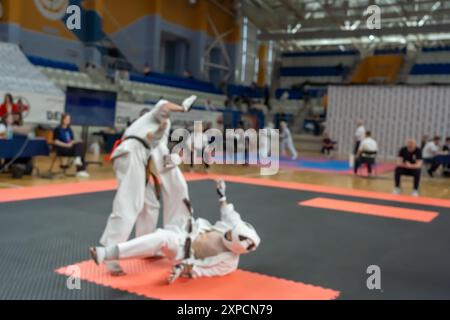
x=158, y=108
x=149, y=122
x=230, y=216
x=219, y=265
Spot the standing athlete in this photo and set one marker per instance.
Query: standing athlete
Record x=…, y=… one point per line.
x=136, y=201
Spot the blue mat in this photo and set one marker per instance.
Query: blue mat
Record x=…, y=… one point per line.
x=326, y=165
x=312, y=164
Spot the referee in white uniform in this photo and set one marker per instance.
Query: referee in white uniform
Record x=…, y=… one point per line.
x=367, y=152
x=360, y=134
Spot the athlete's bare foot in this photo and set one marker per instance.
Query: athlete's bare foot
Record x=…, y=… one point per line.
x=115, y=269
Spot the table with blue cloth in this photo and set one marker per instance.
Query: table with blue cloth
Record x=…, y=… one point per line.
x=10, y=149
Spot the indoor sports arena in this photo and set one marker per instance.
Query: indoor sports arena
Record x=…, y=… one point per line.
x=225, y=150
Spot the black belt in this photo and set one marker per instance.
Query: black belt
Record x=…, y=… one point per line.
x=142, y=141
x=187, y=248
x=369, y=154
x=148, y=174
x=189, y=228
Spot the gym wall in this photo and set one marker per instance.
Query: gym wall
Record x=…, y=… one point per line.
x=137, y=28
x=392, y=113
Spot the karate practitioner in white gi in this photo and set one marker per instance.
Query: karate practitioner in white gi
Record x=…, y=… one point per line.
x=197, y=248
x=286, y=140
x=136, y=202
x=264, y=141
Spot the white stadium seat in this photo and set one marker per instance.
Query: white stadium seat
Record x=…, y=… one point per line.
x=17, y=74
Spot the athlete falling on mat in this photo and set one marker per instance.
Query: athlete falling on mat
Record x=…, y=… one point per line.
x=197, y=248
x=136, y=201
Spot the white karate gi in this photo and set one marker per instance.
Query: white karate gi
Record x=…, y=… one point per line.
x=265, y=141
x=135, y=202
x=287, y=143
x=174, y=188
x=170, y=242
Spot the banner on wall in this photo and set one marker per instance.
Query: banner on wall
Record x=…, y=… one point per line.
x=392, y=113
x=39, y=108
x=52, y=9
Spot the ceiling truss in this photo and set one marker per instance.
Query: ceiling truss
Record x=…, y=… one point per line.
x=302, y=24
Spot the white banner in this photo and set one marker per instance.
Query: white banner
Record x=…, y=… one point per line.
x=42, y=108
x=392, y=113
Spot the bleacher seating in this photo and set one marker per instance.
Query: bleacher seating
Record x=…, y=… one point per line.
x=64, y=78
x=333, y=71
x=43, y=62
x=429, y=79
x=65, y=75
x=432, y=65
x=317, y=67
x=297, y=94
x=148, y=92
x=17, y=74
x=431, y=69
x=43, y=75
x=139, y=89
x=390, y=51
x=175, y=82
x=289, y=106
x=245, y=91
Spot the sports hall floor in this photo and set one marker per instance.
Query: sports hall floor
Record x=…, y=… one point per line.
x=320, y=232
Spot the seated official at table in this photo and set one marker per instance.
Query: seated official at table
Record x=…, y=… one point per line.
x=67, y=146
x=446, y=150
x=409, y=163
x=366, y=154
x=430, y=152
x=8, y=130
x=446, y=146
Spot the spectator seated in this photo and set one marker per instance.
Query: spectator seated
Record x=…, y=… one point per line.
x=328, y=145
x=65, y=146
x=409, y=163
